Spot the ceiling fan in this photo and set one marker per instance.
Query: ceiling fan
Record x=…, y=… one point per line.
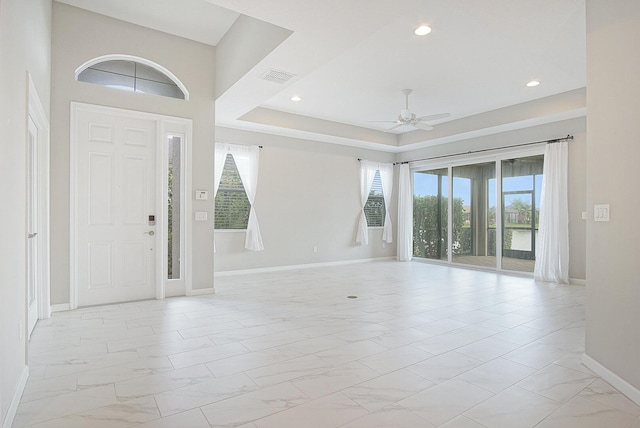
x=407, y=118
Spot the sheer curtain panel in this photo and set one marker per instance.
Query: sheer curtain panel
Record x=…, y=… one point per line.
x=246, y=159
x=552, y=248
x=386, y=177
x=405, y=214
x=367, y=174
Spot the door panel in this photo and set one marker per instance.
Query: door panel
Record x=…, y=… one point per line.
x=32, y=225
x=116, y=194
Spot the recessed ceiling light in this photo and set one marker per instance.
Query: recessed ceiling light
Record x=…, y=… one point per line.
x=423, y=30
x=533, y=83
x=296, y=98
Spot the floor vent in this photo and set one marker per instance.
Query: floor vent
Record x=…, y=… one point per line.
x=277, y=76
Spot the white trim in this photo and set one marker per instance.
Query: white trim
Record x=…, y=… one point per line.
x=576, y=281
x=124, y=57
x=39, y=117
x=62, y=307
x=15, y=401
x=161, y=188
x=162, y=122
x=73, y=191
x=616, y=381
x=301, y=266
x=202, y=291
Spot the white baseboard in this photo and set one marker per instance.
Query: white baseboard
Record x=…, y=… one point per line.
x=202, y=291
x=576, y=281
x=62, y=307
x=302, y=266
x=616, y=381
x=15, y=401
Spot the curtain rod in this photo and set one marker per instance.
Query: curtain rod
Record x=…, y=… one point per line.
x=556, y=140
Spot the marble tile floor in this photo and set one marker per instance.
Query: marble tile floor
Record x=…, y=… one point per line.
x=421, y=346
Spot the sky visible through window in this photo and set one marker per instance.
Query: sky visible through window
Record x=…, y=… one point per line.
x=427, y=184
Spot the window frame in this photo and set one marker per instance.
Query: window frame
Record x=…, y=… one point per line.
x=143, y=61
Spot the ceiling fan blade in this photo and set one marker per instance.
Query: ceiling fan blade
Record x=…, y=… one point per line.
x=382, y=121
x=434, y=117
x=423, y=126
x=394, y=127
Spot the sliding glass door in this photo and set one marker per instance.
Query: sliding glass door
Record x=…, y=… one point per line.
x=521, y=185
x=491, y=218
x=430, y=214
x=473, y=195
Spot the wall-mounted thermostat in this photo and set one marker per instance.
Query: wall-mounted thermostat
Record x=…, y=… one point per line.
x=202, y=195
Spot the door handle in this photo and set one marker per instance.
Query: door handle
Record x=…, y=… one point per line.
x=150, y=233
x=32, y=235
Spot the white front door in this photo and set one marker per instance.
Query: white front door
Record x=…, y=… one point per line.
x=115, y=208
x=32, y=225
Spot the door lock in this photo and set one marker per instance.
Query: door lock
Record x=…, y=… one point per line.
x=150, y=233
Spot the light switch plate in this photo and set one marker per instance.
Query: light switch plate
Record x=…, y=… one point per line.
x=201, y=216
x=601, y=212
x=585, y=215
x=202, y=195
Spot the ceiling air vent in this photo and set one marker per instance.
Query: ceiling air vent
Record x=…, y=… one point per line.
x=277, y=76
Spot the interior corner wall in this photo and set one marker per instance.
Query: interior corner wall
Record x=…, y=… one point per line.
x=577, y=172
x=25, y=47
x=79, y=36
x=308, y=196
x=613, y=270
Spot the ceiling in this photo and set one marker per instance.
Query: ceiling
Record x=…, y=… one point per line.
x=351, y=60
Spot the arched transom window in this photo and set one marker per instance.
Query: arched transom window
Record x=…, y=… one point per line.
x=133, y=75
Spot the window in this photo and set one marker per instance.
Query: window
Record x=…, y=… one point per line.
x=132, y=76
x=232, y=205
x=174, y=209
x=374, y=209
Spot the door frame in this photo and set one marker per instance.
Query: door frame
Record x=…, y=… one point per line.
x=496, y=155
x=37, y=113
x=163, y=123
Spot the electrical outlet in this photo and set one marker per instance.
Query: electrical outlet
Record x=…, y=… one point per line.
x=201, y=216
x=315, y=249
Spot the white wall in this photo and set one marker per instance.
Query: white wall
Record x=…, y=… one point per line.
x=79, y=36
x=577, y=172
x=613, y=152
x=25, y=28
x=308, y=195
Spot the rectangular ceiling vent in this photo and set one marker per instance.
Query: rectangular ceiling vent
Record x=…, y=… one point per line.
x=277, y=76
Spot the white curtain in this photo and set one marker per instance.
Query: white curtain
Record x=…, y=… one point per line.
x=552, y=248
x=367, y=174
x=386, y=178
x=405, y=214
x=246, y=159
